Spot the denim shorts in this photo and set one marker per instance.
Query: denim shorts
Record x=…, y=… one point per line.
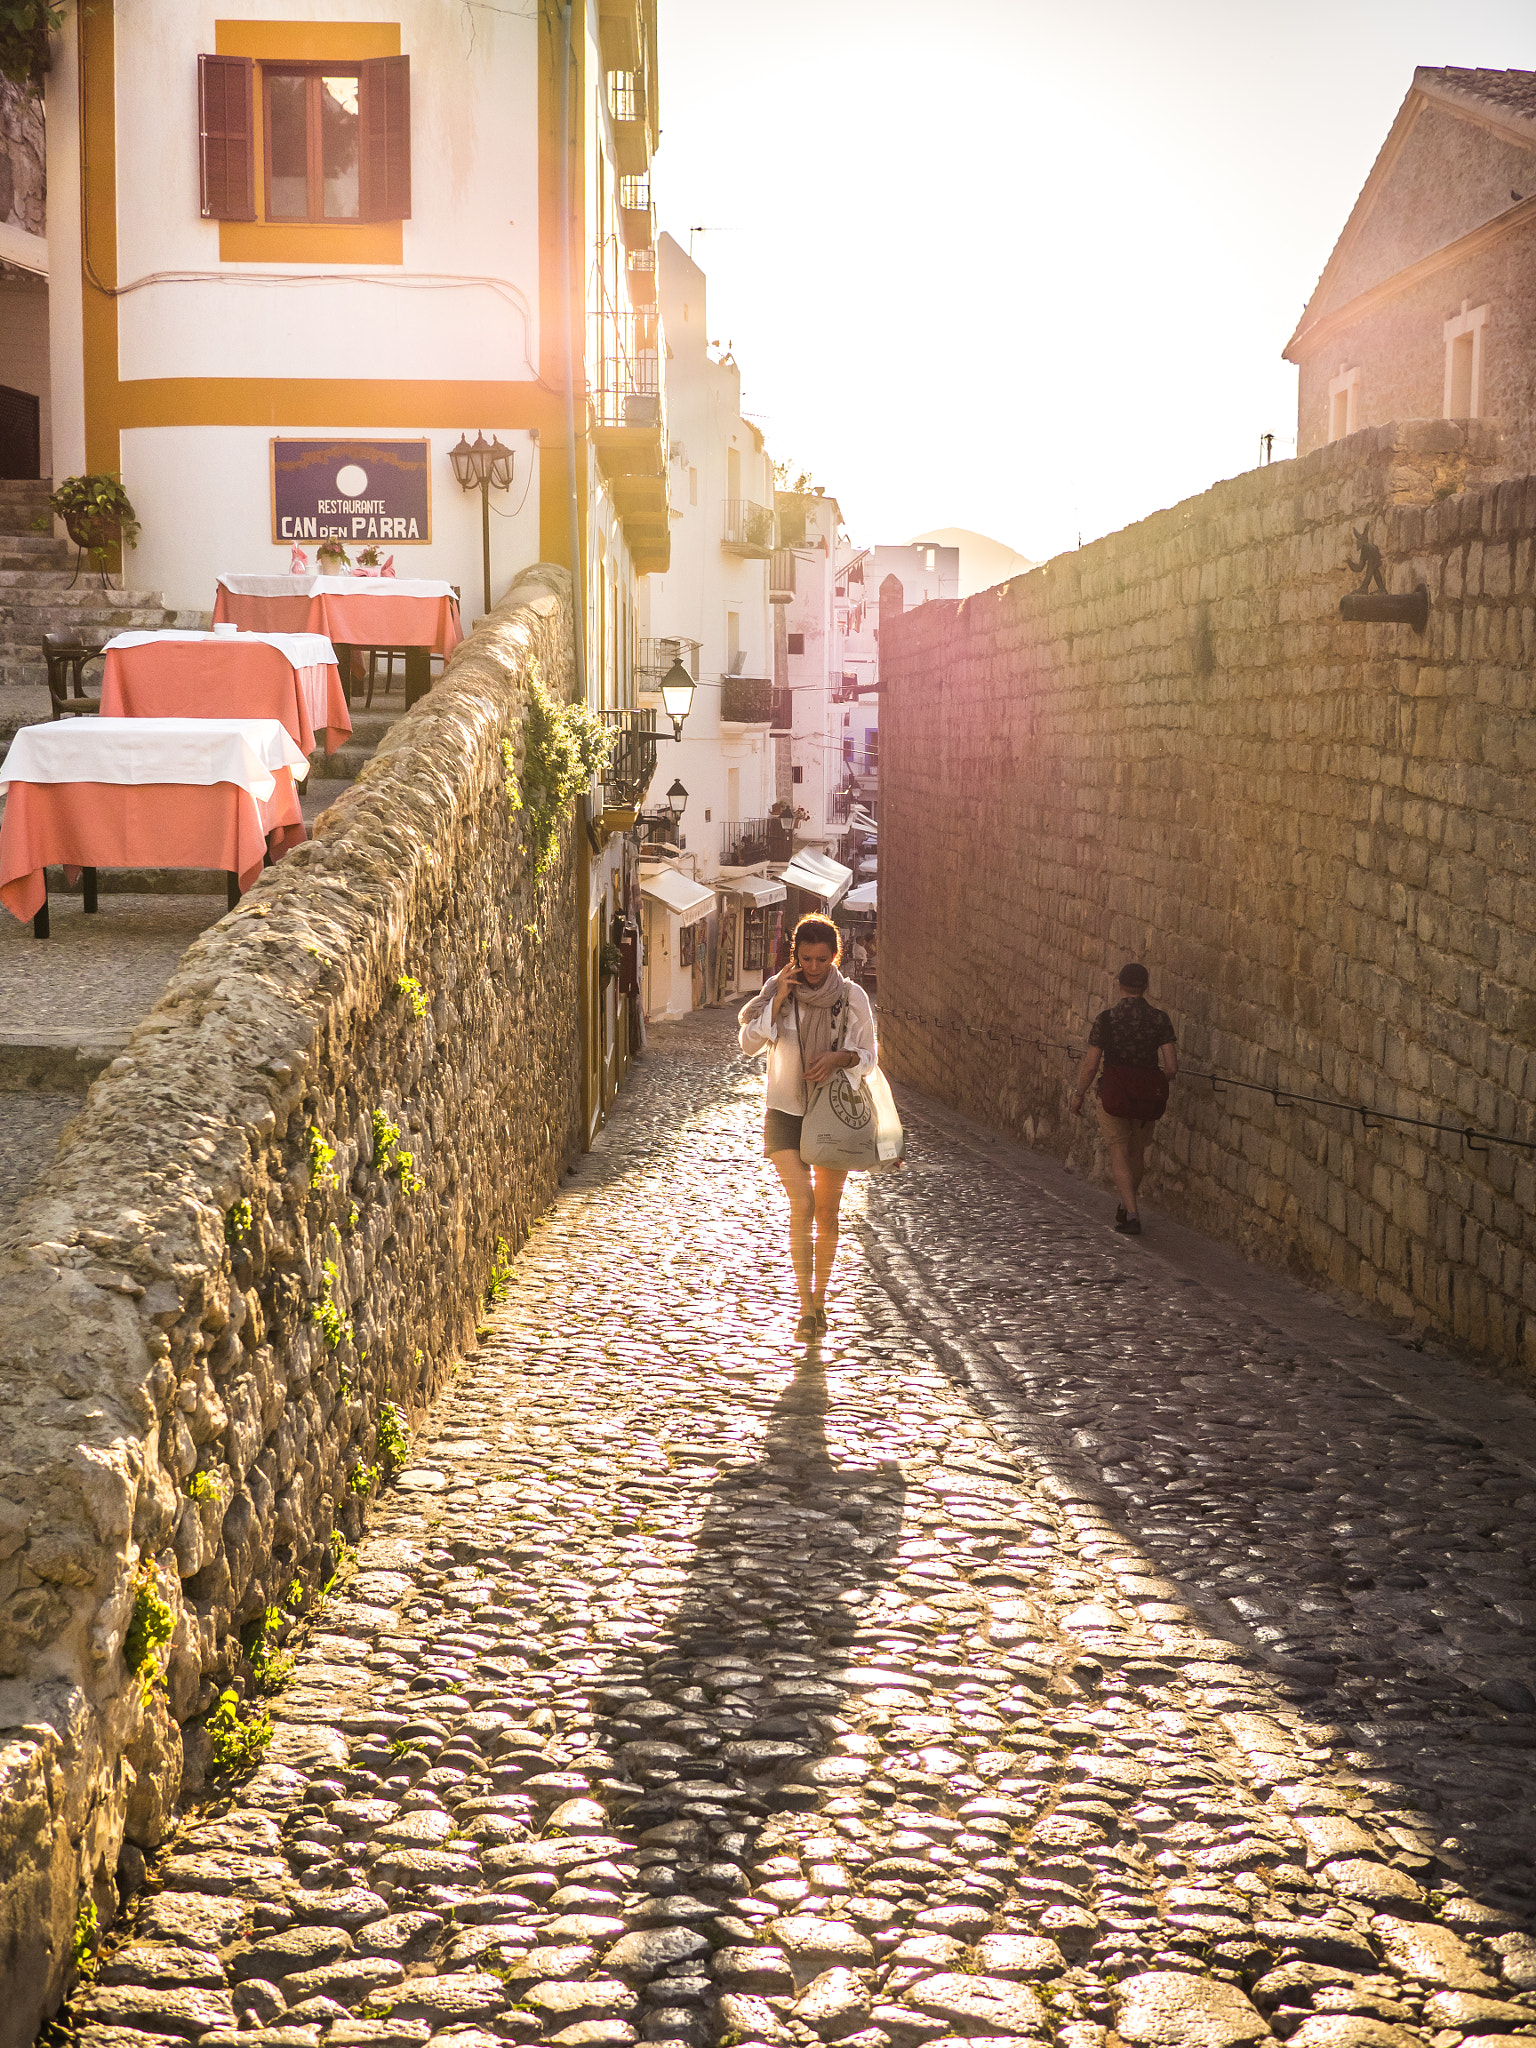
x=781, y=1132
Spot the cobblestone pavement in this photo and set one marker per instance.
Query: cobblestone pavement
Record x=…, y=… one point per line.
x=1040, y=1658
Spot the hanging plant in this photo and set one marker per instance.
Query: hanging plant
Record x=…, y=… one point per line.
x=609, y=961
x=564, y=747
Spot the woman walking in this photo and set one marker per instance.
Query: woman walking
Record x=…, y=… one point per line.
x=810, y=1020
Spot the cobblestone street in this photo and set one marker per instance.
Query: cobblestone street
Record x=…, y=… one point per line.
x=1064, y=1645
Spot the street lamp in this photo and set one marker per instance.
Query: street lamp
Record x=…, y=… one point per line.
x=677, y=800
x=483, y=466
x=677, y=688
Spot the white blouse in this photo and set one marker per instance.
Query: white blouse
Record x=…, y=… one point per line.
x=786, y=1075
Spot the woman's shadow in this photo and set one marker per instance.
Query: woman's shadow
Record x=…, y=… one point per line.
x=752, y=1666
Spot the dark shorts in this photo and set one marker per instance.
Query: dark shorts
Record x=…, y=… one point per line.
x=781, y=1132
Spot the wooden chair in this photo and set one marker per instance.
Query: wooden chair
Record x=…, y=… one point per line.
x=66, y=655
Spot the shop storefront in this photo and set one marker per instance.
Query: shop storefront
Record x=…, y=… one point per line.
x=676, y=917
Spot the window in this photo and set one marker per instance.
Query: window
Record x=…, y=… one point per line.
x=733, y=662
x=1343, y=403
x=797, y=643
x=1464, y=362
x=335, y=139
x=797, y=774
x=693, y=487
x=687, y=945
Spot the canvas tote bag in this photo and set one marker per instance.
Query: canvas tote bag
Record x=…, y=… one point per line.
x=855, y=1128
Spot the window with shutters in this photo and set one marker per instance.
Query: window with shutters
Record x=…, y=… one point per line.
x=315, y=142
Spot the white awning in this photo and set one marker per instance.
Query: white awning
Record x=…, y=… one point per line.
x=862, y=898
x=861, y=821
x=686, y=899
x=819, y=875
x=758, y=890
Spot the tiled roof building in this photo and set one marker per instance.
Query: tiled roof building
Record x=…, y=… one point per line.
x=1424, y=309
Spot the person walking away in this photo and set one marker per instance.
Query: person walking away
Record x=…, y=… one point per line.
x=1135, y=1046
x=810, y=1020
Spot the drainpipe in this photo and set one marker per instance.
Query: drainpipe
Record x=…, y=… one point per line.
x=578, y=562
x=591, y=1073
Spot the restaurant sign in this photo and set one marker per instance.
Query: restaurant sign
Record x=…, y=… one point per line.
x=351, y=491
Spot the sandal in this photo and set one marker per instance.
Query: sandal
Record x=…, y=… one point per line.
x=821, y=1322
x=806, y=1327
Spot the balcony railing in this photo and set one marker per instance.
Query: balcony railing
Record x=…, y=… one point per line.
x=655, y=657
x=637, y=216
x=748, y=529
x=746, y=700
x=781, y=576
x=749, y=842
x=641, y=273
x=632, y=764
x=631, y=135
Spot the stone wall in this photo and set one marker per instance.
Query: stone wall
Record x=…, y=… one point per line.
x=1168, y=746
x=174, y=1396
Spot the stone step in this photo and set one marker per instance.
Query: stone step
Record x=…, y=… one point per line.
x=35, y=551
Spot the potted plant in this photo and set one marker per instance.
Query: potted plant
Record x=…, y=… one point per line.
x=331, y=557
x=97, y=516
x=609, y=961
x=24, y=30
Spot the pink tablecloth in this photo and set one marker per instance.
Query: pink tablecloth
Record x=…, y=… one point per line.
x=373, y=618
x=224, y=679
x=139, y=825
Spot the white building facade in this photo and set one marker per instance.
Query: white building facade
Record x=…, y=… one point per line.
x=710, y=609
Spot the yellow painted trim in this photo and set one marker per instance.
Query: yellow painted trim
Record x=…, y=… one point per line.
x=306, y=42
x=286, y=241
x=97, y=56
x=335, y=403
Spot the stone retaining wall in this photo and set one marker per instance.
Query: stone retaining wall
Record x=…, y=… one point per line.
x=1168, y=746
x=197, y=1386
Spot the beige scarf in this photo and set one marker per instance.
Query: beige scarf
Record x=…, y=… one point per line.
x=819, y=1029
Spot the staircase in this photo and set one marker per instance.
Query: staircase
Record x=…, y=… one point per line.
x=35, y=598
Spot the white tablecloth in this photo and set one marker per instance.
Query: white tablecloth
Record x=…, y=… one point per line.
x=300, y=650
x=240, y=750
x=335, y=586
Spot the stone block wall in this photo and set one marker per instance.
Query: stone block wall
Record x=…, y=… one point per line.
x=1168, y=746
x=228, y=1272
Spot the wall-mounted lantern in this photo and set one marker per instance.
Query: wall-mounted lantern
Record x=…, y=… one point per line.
x=677, y=800
x=677, y=688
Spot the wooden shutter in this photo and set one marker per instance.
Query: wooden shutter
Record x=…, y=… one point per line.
x=226, y=151
x=384, y=116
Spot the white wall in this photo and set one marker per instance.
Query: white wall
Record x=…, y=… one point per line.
x=474, y=192
x=203, y=495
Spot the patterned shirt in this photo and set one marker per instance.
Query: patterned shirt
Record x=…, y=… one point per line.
x=1130, y=1034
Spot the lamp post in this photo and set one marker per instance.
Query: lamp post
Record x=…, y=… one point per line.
x=677, y=688
x=677, y=800
x=483, y=466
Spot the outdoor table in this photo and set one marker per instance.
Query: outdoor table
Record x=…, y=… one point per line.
x=288, y=676
x=144, y=792
x=354, y=612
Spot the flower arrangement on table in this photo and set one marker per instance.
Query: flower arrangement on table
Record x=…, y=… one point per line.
x=332, y=558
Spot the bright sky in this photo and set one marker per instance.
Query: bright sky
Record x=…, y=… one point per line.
x=1028, y=268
